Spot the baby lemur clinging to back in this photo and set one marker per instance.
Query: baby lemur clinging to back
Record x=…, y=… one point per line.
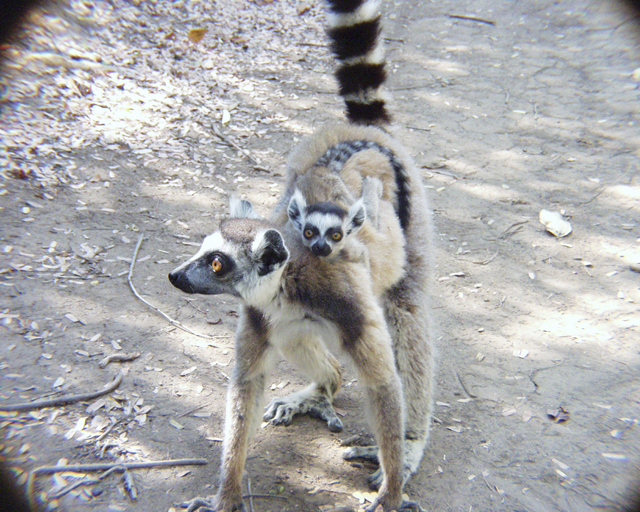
x=327, y=228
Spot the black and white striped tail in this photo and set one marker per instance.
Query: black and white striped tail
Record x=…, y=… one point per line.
x=354, y=29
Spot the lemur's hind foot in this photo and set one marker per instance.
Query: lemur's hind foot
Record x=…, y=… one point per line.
x=208, y=505
x=413, y=455
x=309, y=401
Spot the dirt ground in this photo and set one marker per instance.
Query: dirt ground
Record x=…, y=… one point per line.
x=109, y=126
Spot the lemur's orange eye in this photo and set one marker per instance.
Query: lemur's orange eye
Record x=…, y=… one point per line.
x=216, y=265
x=308, y=233
x=337, y=236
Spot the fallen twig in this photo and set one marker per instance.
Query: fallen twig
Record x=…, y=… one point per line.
x=107, y=431
x=91, y=481
x=229, y=142
x=49, y=470
x=459, y=379
x=118, y=357
x=266, y=496
x=192, y=410
x=487, y=261
x=63, y=400
x=471, y=18
x=513, y=229
x=157, y=310
x=250, y=495
x=482, y=262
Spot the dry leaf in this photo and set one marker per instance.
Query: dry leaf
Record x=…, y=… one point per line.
x=188, y=372
x=555, y=223
x=364, y=496
x=195, y=35
x=96, y=406
x=175, y=424
x=239, y=38
x=302, y=7
x=558, y=415
x=615, y=456
x=560, y=464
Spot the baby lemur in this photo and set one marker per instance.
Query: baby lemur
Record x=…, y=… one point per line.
x=304, y=307
x=326, y=227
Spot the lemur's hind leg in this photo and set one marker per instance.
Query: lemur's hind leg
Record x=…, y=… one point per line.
x=408, y=314
x=309, y=356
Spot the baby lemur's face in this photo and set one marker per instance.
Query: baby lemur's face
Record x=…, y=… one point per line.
x=324, y=226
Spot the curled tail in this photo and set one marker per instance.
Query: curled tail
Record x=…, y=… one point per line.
x=354, y=29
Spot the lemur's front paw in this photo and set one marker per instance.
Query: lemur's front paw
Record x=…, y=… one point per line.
x=282, y=410
x=369, y=453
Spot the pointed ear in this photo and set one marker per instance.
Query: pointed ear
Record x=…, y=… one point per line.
x=269, y=251
x=242, y=209
x=296, y=206
x=355, y=217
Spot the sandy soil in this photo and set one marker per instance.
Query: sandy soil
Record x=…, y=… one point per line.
x=109, y=119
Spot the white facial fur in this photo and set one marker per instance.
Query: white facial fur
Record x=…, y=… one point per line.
x=324, y=226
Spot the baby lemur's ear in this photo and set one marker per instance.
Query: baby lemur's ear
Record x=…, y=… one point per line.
x=269, y=251
x=295, y=209
x=355, y=217
x=242, y=209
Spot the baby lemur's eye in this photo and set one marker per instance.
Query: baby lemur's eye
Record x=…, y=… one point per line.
x=337, y=236
x=216, y=264
x=308, y=233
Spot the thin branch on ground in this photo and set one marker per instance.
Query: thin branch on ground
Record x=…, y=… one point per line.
x=487, y=261
x=459, y=379
x=79, y=468
x=190, y=411
x=471, y=18
x=229, y=142
x=266, y=496
x=108, y=431
x=513, y=229
x=64, y=400
x=157, y=310
x=250, y=495
x=85, y=481
x=482, y=262
x=118, y=357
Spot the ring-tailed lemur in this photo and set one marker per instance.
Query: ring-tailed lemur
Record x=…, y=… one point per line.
x=326, y=227
x=303, y=306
